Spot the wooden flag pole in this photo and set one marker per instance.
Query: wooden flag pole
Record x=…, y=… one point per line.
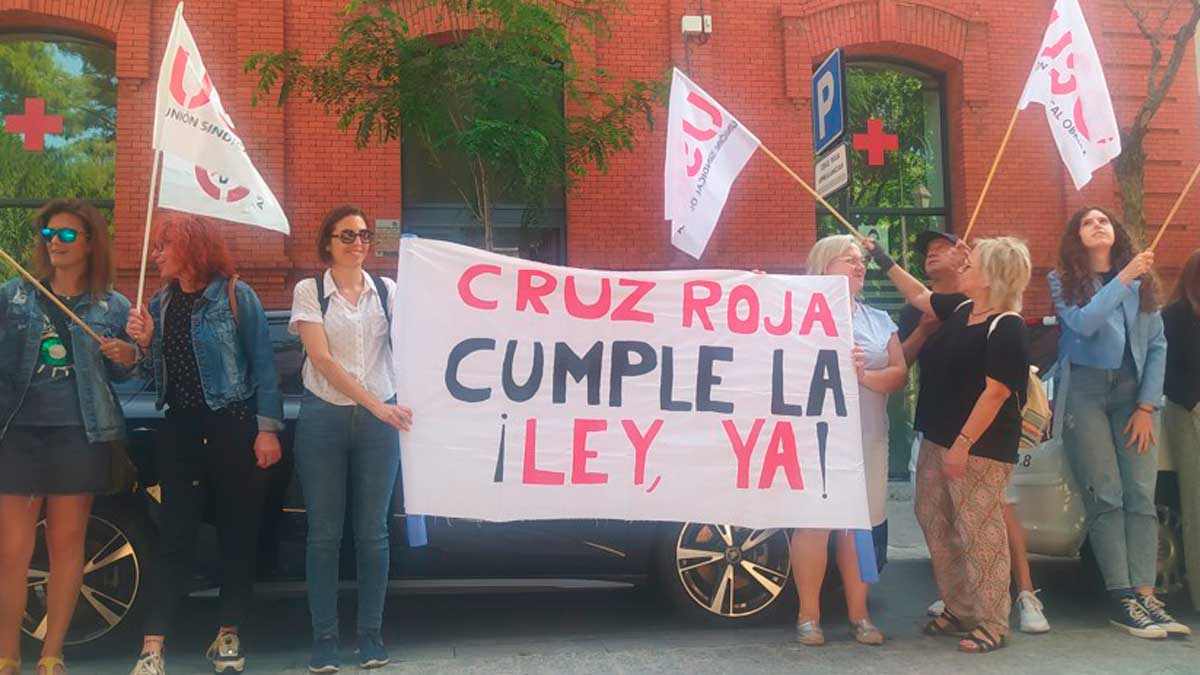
x=820, y=200
x=987, y=184
x=1178, y=202
x=150, y=199
x=53, y=298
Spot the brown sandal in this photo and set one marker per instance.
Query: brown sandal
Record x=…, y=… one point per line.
x=946, y=625
x=981, y=641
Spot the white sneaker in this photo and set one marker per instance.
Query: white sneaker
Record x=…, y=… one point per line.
x=150, y=664
x=936, y=608
x=1033, y=620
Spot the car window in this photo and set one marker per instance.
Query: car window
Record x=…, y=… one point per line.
x=289, y=356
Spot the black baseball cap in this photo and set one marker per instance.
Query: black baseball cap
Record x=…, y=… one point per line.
x=929, y=236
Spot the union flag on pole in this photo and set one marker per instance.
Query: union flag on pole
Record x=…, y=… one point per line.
x=205, y=166
x=706, y=150
x=1068, y=81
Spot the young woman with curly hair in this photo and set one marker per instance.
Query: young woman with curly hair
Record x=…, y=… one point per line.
x=1112, y=356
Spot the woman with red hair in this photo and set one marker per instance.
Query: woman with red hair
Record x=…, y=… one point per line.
x=205, y=340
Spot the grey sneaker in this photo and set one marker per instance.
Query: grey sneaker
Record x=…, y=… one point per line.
x=225, y=652
x=866, y=633
x=150, y=664
x=1157, y=609
x=810, y=634
x=371, y=652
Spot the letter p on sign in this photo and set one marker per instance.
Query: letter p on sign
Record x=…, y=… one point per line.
x=827, y=93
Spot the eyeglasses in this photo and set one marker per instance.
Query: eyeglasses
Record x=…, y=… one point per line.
x=853, y=261
x=66, y=235
x=348, y=236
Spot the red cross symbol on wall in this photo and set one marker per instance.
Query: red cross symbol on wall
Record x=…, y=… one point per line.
x=875, y=142
x=35, y=124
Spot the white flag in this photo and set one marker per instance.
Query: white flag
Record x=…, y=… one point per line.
x=1068, y=81
x=706, y=150
x=191, y=123
x=189, y=187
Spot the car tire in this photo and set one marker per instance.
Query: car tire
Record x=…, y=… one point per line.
x=722, y=575
x=116, y=551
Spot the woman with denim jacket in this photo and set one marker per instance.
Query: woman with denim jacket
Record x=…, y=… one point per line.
x=205, y=341
x=346, y=437
x=1112, y=355
x=61, y=418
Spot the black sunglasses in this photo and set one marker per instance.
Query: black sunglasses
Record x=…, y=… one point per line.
x=66, y=235
x=348, y=236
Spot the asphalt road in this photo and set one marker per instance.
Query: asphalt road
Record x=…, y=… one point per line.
x=632, y=631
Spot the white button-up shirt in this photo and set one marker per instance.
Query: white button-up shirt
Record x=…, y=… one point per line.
x=357, y=335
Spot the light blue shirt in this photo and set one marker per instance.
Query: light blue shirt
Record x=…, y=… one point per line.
x=873, y=329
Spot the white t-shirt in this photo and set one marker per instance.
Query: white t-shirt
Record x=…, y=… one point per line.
x=873, y=329
x=357, y=335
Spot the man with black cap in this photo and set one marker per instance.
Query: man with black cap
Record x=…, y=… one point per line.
x=944, y=255
x=943, y=259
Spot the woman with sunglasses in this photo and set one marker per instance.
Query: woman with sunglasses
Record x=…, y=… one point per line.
x=205, y=341
x=347, y=432
x=61, y=418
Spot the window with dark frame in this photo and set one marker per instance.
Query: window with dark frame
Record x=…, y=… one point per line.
x=58, y=124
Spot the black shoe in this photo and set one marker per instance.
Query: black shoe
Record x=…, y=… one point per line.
x=324, y=655
x=1129, y=616
x=1157, y=610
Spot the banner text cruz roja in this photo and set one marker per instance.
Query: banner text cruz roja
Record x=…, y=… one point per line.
x=620, y=299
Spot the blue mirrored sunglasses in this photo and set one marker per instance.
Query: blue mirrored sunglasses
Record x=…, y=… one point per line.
x=65, y=234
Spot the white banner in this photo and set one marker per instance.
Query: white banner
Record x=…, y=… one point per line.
x=706, y=150
x=1068, y=81
x=190, y=122
x=194, y=189
x=550, y=392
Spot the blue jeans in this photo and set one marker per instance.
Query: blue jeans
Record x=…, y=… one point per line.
x=334, y=443
x=1116, y=483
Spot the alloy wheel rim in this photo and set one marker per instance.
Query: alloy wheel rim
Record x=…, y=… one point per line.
x=732, y=571
x=111, y=580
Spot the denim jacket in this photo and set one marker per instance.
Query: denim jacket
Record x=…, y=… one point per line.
x=235, y=358
x=1092, y=336
x=20, y=339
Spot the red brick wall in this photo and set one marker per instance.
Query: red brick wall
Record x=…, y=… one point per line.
x=757, y=62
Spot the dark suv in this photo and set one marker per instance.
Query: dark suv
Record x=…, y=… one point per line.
x=712, y=573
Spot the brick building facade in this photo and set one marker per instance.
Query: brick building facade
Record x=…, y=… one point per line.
x=758, y=61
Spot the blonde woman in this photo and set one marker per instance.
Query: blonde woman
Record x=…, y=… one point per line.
x=879, y=361
x=974, y=373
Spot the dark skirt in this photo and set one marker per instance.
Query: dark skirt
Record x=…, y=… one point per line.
x=53, y=461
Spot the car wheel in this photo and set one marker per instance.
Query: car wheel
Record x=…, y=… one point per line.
x=1169, y=570
x=721, y=574
x=115, y=551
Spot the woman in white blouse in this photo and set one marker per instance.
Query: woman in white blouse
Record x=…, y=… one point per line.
x=347, y=431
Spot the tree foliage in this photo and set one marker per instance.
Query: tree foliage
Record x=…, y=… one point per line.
x=1168, y=48
x=501, y=87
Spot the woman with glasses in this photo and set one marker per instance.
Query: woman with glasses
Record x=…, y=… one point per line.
x=347, y=432
x=879, y=361
x=61, y=418
x=205, y=341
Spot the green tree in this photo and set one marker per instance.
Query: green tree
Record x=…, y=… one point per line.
x=504, y=95
x=1167, y=51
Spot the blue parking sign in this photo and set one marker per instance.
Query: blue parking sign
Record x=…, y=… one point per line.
x=828, y=87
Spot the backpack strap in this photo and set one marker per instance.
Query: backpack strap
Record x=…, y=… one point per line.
x=996, y=320
x=381, y=290
x=231, y=288
x=322, y=299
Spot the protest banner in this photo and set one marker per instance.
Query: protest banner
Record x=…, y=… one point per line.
x=549, y=392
